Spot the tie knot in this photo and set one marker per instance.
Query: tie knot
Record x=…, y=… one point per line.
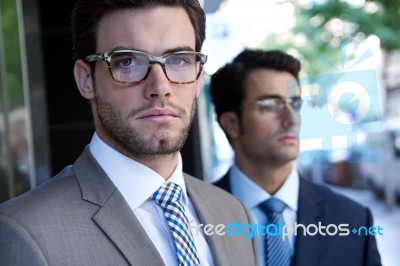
x=273, y=205
x=167, y=193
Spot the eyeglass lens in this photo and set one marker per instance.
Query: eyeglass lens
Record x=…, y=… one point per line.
x=277, y=105
x=133, y=67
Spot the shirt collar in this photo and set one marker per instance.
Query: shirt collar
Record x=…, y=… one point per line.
x=247, y=191
x=134, y=180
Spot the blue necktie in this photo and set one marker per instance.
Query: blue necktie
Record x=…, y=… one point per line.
x=277, y=251
x=169, y=198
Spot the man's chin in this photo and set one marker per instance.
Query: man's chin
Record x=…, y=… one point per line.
x=165, y=142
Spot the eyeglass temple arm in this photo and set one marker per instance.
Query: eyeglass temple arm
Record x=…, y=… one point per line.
x=95, y=57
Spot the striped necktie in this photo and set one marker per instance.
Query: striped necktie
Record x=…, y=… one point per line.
x=169, y=198
x=277, y=251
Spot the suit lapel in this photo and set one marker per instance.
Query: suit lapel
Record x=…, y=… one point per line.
x=207, y=215
x=114, y=217
x=310, y=211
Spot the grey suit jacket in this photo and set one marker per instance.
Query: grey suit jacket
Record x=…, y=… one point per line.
x=80, y=218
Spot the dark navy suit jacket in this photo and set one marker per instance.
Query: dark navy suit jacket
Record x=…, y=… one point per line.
x=318, y=203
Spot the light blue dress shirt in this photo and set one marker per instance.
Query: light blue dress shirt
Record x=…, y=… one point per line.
x=251, y=195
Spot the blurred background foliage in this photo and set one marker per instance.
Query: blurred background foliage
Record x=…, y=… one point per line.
x=325, y=29
x=11, y=54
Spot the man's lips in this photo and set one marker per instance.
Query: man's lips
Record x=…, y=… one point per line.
x=288, y=138
x=158, y=115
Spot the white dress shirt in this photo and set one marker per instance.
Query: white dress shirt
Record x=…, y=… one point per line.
x=137, y=183
x=251, y=195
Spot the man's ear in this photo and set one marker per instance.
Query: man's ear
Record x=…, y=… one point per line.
x=83, y=79
x=229, y=122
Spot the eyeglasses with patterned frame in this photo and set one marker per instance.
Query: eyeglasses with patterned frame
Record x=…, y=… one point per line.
x=133, y=67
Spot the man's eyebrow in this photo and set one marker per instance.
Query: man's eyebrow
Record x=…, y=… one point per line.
x=168, y=51
x=123, y=48
x=269, y=96
x=178, y=49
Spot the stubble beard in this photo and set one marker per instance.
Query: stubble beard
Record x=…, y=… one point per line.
x=129, y=141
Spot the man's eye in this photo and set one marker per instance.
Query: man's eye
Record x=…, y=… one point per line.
x=296, y=104
x=268, y=104
x=177, y=61
x=180, y=60
x=126, y=61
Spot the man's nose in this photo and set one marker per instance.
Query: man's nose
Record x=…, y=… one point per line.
x=290, y=116
x=157, y=84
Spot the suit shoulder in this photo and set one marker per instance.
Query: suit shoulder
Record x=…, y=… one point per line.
x=55, y=189
x=338, y=203
x=212, y=191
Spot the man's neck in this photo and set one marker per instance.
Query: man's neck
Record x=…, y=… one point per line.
x=162, y=164
x=269, y=177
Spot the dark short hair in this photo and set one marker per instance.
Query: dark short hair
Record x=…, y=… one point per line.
x=227, y=84
x=88, y=13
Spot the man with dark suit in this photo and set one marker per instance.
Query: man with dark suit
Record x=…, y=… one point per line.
x=257, y=99
x=125, y=200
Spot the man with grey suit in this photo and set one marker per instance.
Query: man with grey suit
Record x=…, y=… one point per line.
x=125, y=200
